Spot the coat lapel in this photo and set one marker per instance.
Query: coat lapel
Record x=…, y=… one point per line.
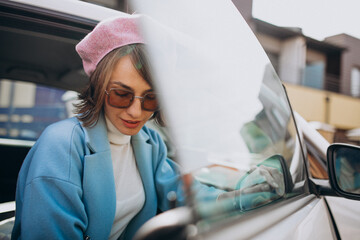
x=144, y=160
x=143, y=156
x=96, y=137
x=98, y=182
x=99, y=186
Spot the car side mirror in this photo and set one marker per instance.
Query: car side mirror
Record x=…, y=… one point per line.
x=344, y=169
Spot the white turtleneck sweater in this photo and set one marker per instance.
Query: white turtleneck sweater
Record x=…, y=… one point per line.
x=130, y=195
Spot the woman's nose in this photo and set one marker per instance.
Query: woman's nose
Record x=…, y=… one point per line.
x=134, y=109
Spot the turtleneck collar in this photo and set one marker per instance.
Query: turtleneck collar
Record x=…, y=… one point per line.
x=114, y=135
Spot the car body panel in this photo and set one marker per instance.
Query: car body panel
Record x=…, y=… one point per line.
x=73, y=7
x=310, y=222
x=346, y=212
x=295, y=219
x=347, y=216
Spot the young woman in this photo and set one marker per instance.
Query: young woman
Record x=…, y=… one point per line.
x=103, y=174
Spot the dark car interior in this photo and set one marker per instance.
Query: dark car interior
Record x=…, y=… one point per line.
x=37, y=45
x=12, y=157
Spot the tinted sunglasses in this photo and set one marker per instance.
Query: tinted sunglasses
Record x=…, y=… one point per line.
x=121, y=98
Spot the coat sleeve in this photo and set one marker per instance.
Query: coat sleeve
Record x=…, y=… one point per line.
x=52, y=209
x=49, y=194
x=168, y=179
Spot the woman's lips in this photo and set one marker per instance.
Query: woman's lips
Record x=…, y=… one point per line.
x=130, y=124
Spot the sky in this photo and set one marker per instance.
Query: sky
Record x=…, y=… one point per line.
x=317, y=18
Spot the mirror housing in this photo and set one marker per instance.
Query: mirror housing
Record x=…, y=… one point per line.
x=344, y=170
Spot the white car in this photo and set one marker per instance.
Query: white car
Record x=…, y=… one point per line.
x=226, y=109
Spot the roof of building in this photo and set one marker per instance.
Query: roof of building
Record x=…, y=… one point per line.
x=288, y=32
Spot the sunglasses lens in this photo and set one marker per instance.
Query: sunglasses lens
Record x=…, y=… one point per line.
x=120, y=98
x=150, y=102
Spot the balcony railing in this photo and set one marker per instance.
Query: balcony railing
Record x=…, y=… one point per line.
x=332, y=83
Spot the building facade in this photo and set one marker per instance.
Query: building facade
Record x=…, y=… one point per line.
x=350, y=63
x=322, y=77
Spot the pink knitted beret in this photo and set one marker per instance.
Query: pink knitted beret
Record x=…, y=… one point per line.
x=106, y=36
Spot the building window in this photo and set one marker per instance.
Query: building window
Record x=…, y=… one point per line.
x=314, y=75
x=355, y=82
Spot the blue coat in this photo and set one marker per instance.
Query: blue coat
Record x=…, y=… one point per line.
x=66, y=187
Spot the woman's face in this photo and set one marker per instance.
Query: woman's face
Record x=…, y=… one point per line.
x=128, y=120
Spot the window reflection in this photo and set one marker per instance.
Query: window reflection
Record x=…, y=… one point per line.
x=26, y=109
x=271, y=146
x=347, y=166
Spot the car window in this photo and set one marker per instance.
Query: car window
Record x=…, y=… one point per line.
x=27, y=108
x=226, y=110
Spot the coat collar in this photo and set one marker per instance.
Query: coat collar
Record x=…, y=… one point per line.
x=141, y=136
x=97, y=140
x=96, y=136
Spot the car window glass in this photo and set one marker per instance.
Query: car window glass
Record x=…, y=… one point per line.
x=27, y=108
x=225, y=107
